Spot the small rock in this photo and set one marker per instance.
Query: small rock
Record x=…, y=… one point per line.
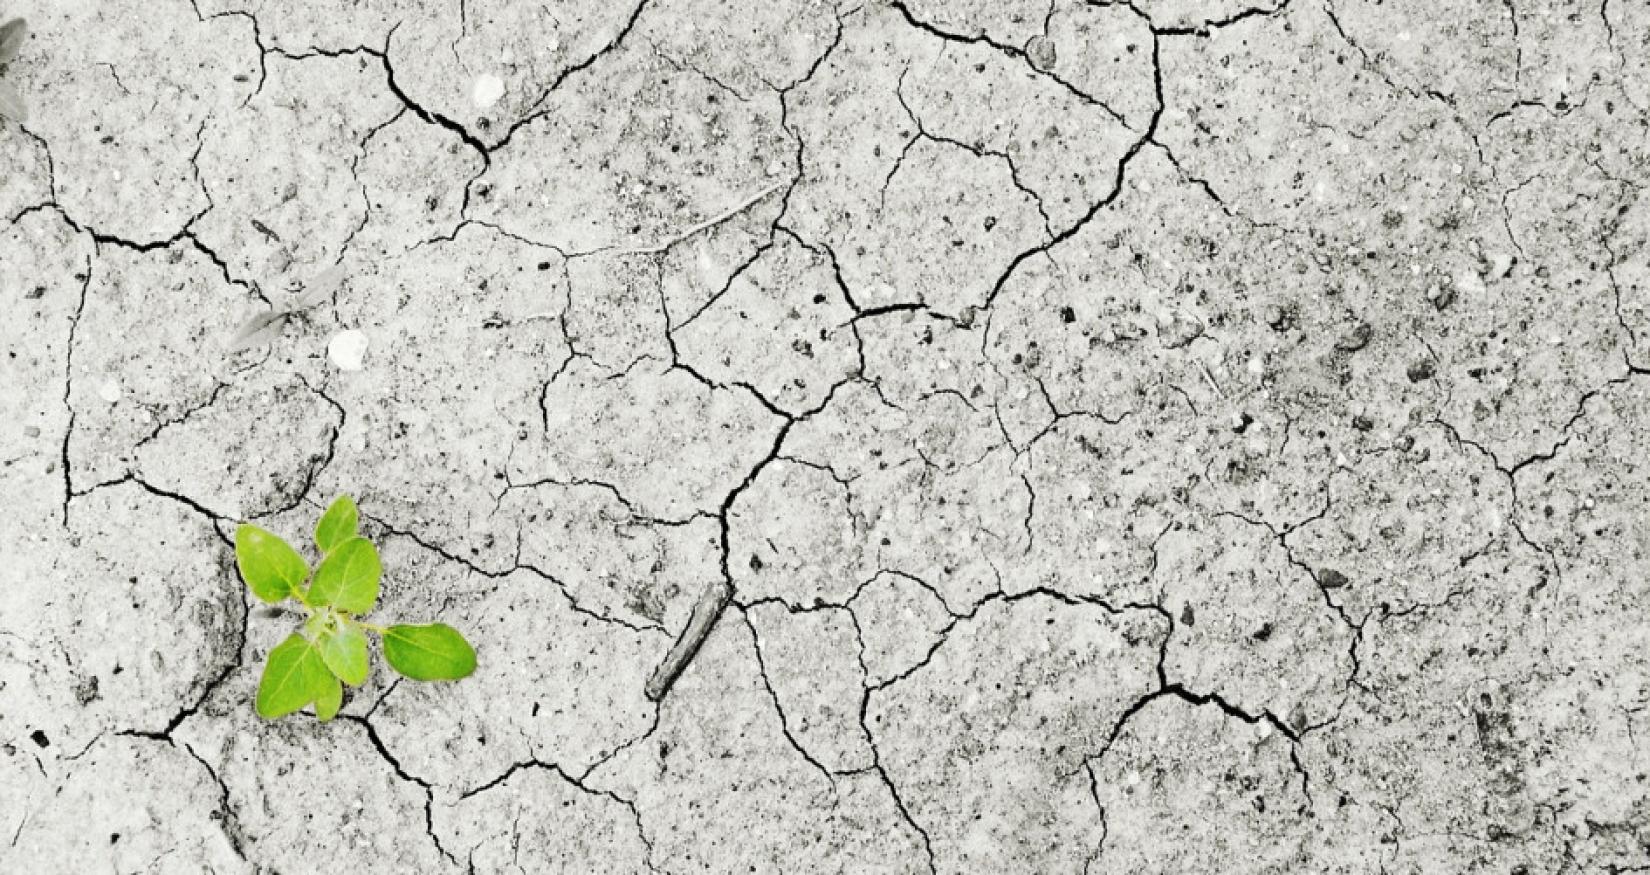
x=1297, y=717
x=85, y=692
x=1421, y=369
x=1178, y=329
x=1187, y=616
x=1441, y=295
x=1040, y=51
x=31, y=431
x=1355, y=339
x=487, y=91
x=279, y=261
x=109, y=391
x=1329, y=578
x=348, y=349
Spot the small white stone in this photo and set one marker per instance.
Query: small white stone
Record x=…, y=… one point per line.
x=347, y=349
x=488, y=89
x=109, y=391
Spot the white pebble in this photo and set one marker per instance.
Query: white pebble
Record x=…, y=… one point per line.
x=488, y=89
x=109, y=391
x=348, y=349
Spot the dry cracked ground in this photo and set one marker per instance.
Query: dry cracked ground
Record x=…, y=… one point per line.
x=1152, y=436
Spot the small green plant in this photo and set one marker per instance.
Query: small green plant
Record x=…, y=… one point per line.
x=262, y=328
x=12, y=35
x=311, y=666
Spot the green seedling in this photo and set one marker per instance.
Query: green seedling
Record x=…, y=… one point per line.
x=313, y=664
x=264, y=327
x=12, y=35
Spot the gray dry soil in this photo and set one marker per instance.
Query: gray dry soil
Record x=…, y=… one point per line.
x=1152, y=436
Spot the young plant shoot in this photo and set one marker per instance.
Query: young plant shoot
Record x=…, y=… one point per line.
x=311, y=666
x=12, y=35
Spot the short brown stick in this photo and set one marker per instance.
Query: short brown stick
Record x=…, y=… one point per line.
x=711, y=603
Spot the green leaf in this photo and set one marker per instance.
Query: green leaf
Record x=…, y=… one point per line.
x=318, y=289
x=337, y=525
x=12, y=35
x=327, y=704
x=269, y=566
x=11, y=103
x=433, y=652
x=259, y=330
x=293, y=677
x=345, y=653
x=348, y=577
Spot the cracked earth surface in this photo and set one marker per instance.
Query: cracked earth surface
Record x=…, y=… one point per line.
x=1152, y=436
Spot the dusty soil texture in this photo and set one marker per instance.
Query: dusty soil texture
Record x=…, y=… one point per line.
x=1142, y=436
